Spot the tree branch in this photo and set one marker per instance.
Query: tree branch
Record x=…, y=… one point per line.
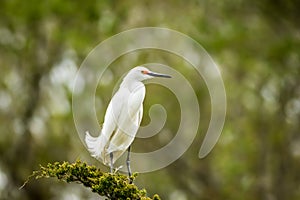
x=111, y=185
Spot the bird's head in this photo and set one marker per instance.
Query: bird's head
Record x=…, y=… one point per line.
x=141, y=73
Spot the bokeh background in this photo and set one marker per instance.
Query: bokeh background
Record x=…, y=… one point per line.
x=255, y=43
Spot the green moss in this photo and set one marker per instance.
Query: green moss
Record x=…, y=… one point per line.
x=110, y=185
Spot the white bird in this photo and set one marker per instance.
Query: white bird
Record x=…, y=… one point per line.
x=122, y=118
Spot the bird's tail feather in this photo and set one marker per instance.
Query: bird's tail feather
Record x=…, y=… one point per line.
x=94, y=145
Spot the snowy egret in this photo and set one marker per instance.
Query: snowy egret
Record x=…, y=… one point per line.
x=122, y=119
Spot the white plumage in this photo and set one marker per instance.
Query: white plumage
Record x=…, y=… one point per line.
x=122, y=118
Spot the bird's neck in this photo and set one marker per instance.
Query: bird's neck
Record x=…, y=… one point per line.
x=132, y=85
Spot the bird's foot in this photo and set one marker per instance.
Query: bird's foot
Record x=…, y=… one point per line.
x=115, y=170
x=118, y=168
x=130, y=180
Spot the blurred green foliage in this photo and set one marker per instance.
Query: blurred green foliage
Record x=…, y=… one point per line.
x=256, y=44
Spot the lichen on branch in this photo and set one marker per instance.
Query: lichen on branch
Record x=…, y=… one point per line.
x=111, y=185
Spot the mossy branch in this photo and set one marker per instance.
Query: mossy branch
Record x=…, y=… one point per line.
x=110, y=185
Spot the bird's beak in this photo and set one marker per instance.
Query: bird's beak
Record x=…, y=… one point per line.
x=158, y=75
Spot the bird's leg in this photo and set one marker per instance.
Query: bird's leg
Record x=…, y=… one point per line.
x=128, y=165
x=111, y=162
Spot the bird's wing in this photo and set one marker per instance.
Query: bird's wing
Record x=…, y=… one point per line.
x=140, y=115
x=128, y=123
x=97, y=145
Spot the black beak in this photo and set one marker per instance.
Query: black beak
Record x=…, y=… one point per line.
x=159, y=75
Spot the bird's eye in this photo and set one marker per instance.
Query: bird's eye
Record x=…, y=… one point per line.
x=144, y=72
